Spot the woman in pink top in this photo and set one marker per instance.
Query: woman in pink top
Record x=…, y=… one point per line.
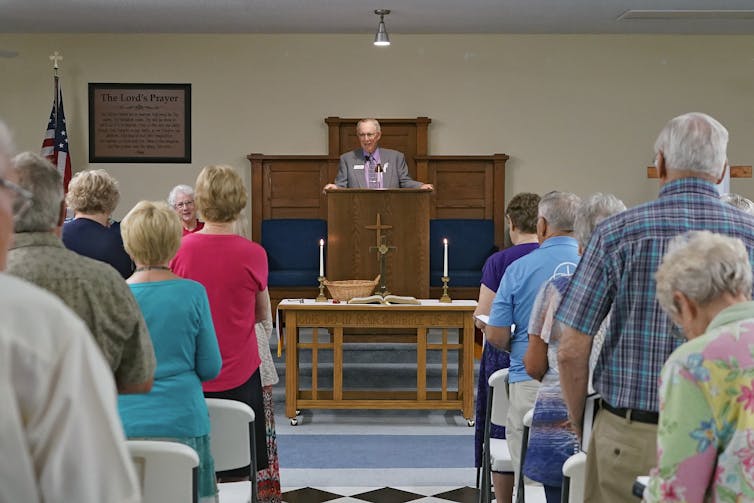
x=233, y=270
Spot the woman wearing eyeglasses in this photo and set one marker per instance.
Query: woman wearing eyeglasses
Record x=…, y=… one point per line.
x=181, y=199
x=373, y=167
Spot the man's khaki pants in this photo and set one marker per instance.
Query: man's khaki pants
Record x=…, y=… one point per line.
x=522, y=397
x=619, y=451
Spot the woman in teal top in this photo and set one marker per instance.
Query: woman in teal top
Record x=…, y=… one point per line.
x=178, y=317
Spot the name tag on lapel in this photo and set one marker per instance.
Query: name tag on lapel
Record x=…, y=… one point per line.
x=358, y=166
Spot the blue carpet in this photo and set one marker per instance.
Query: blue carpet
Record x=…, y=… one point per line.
x=376, y=451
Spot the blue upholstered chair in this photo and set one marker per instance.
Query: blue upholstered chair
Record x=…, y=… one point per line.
x=292, y=246
x=470, y=242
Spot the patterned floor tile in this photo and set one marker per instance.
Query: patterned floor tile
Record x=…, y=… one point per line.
x=461, y=495
x=388, y=495
x=351, y=490
x=424, y=490
x=309, y=495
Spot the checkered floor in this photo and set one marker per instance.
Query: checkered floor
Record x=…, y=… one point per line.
x=380, y=495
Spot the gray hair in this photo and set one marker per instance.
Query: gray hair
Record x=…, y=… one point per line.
x=694, y=142
x=703, y=266
x=559, y=209
x=37, y=175
x=738, y=201
x=186, y=190
x=369, y=121
x=592, y=211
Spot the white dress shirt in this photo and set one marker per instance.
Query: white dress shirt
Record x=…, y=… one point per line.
x=60, y=435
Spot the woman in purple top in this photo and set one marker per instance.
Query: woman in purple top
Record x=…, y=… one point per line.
x=521, y=215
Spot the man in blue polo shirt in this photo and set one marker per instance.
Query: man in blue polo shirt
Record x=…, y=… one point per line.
x=556, y=255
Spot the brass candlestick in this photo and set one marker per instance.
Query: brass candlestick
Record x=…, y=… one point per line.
x=445, y=297
x=321, y=297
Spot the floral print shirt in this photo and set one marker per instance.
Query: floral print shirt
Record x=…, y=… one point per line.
x=705, y=435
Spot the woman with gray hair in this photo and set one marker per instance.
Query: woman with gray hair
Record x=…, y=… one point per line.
x=705, y=435
x=552, y=440
x=181, y=199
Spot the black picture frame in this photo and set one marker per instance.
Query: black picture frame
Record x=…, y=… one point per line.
x=139, y=123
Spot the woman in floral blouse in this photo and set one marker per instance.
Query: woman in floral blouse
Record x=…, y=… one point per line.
x=705, y=435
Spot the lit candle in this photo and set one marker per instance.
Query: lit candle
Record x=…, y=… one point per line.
x=445, y=258
x=322, y=257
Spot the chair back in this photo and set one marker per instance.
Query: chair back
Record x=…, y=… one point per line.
x=167, y=471
x=574, y=478
x=498, y=382
x=497, y=411
x=590, y=410
x=233, y=445
x=229, y=433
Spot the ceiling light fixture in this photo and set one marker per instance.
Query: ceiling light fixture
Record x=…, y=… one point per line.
x=381, y=38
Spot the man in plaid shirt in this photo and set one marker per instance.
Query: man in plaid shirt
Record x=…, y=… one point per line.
x=616, y=276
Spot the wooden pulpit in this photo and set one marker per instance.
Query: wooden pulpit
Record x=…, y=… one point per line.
x=366, y=226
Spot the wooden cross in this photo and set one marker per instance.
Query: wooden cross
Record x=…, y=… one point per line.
x=378, y=227
x=55, y=57
x=382, y=250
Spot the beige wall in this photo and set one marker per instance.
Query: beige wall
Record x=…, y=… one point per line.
x=575, y=113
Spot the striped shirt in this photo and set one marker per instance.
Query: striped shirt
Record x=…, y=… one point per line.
x=617, y=271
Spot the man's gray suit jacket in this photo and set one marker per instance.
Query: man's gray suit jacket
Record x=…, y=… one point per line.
x=395, y=174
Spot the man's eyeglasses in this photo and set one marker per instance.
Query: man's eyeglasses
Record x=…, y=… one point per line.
x=184, y=204
x=366, y=135
x=21, y=197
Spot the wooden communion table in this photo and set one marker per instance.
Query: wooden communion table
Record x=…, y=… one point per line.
x=333, y=318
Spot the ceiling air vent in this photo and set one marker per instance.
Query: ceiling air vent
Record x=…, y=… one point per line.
x=686, y=14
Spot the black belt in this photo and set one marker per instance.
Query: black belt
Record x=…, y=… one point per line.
x=640, y=416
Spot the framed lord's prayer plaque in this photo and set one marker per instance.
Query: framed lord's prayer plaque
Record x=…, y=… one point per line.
x=140, y=123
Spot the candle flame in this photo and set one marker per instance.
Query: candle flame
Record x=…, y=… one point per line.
x=445, y=241
x=321, y=242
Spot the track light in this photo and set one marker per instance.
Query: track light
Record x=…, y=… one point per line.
x=381, y=38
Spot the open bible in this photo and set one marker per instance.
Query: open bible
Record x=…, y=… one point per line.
x=387, y=299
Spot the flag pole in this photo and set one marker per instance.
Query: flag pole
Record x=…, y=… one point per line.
x=55, y=142
x=56, y=58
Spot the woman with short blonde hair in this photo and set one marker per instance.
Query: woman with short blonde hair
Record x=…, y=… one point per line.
x=151, y=233
x=92, y=192
x=234, y=271
x=93, y=196
x=220, y=194
x=178, y=316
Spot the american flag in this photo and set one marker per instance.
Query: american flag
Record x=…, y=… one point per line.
x=55, y=144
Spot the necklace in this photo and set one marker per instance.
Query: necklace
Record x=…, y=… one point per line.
x=152, y=268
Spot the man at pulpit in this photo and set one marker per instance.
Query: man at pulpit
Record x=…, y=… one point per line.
x=372, y=167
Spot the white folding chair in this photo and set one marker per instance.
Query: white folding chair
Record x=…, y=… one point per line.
x=495, y=453
x=590, y=411
x=167, y=471
x=574, y=477
x=230, y=424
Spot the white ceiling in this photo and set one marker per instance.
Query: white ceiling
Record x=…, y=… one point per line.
x=356, y=16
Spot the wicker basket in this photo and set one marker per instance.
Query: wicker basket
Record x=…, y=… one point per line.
x=345, y=290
